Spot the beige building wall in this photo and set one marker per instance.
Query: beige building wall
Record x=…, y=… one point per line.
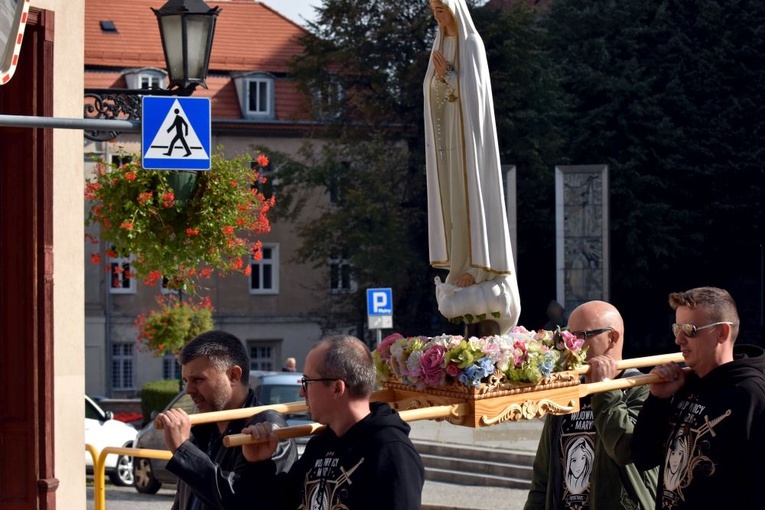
x=68, y=290
x=284, y=320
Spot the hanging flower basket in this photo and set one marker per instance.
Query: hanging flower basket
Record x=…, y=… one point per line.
x=180, y=225
x=167, y=329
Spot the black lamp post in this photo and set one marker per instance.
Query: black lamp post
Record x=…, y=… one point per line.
x=186, y=28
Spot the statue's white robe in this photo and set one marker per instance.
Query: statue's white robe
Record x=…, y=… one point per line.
x=467, y=219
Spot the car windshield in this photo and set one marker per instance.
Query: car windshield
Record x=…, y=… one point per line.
x=280, y=394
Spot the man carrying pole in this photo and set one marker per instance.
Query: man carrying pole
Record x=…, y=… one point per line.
x=584, y=458
x=215, y=370
x=363, y=459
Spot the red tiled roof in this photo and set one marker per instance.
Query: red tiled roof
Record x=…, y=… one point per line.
x=249, y=36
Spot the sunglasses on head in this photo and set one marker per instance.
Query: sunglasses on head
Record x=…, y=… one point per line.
x=691, y=330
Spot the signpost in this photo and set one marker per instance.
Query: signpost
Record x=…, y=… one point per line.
x=380, y=310
x=176, y=133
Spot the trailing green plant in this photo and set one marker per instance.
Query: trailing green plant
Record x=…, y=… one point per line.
x=167, y=329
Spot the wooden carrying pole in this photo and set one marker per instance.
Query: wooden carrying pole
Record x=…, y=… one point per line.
x=425, y=413
x=386, y=395
x=647, y=361
x=236, y=414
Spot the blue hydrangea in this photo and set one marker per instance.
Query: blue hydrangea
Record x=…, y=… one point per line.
x=486, y=365
x=547, y=364
x=474, y=374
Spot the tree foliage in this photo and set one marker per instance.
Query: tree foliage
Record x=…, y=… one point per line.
x=666, y=93
x=363, y=67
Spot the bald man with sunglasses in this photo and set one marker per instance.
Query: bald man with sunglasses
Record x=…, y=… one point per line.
x=584, y=460
x=705, y=428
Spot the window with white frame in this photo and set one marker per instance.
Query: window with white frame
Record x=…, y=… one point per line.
x=145, y=78
x=263, y=354
x=164, y=289
x=121, y=279
x=264, y=278
x=259, y=94
x=328, y=98
x=340, y=273
x=121, y=159
x=171, y=369
x=122, y=366
x=256, y=91
x=149, y=81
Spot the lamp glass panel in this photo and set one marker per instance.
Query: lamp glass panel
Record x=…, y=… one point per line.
x=198, y=33
x=172, y=33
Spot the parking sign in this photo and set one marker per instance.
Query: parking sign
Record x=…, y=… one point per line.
x=380, y=308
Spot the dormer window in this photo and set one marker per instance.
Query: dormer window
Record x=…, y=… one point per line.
x=145, y=78
x=256, y=95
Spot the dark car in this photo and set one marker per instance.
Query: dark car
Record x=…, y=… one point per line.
x=270, y=387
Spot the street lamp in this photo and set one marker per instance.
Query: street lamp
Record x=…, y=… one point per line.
x=186, y=28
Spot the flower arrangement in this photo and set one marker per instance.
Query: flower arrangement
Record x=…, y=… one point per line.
x=167, y=329
x=521, y=356
x=142, y=213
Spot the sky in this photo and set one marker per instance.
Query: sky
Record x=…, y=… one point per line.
x=294, y=9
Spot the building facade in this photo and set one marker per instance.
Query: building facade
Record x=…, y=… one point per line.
x=255, y=104
x=41, y=309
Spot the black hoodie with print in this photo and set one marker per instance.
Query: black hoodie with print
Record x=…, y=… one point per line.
x=709, y=438
x=373, y=466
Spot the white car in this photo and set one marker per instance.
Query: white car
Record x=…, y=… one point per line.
x=101, y=430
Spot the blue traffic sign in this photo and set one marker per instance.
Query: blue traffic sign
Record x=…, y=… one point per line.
x=379, y=302
x=176, y=133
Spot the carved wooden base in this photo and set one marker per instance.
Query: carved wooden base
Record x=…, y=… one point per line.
x=492, y=403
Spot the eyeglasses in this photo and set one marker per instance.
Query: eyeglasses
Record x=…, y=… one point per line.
x=304, y=382
x=584, y=335
x=691, y=330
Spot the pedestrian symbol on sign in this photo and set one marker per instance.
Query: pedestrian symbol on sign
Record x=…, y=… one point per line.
x=175, y=134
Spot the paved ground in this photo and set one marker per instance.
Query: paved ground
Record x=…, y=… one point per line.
x=522, y=436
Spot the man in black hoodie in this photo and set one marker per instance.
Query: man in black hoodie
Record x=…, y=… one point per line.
x=705, y=427
x=215, y=367
x=364, y=459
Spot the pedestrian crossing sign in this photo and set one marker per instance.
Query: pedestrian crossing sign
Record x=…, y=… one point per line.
x=175, y=133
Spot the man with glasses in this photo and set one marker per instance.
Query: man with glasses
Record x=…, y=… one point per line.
x=583, y=460
x=215, y=368
x=363, y=460
x=705, y=427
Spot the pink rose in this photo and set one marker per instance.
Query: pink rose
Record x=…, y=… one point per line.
x=384, y=347
x=571, y=342
x=431, y=364
x=452, y=369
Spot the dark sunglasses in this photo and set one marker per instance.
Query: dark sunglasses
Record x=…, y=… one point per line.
x=691, y=330
x=304, y=382
x=584, y=335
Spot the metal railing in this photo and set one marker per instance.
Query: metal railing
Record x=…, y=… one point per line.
x=99, y=467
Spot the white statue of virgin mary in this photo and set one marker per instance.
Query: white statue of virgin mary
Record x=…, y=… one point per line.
x=467, y=221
